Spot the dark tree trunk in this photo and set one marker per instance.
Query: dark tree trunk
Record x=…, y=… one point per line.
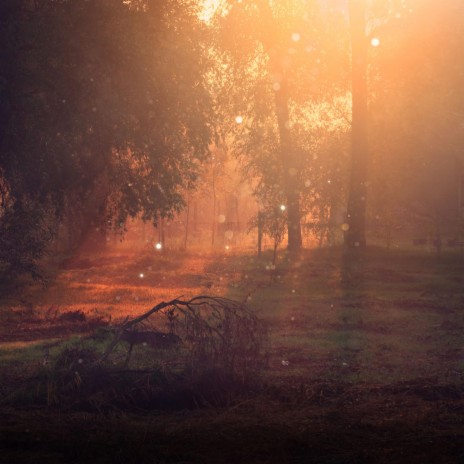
x=287, y=154
x=355, y=236
x=187, y=220
x=213, y=228
x=289, y=167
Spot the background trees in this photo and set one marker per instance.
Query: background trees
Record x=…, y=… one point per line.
x=416, y=131
x=107, y=109
x=287, y=63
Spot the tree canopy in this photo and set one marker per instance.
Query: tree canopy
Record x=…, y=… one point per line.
x=104, y=106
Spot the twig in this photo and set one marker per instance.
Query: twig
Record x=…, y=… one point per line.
x=216, y=303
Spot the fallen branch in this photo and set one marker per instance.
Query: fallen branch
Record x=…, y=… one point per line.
x=220, y=308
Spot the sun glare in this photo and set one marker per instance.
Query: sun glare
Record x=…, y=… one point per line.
x=208, y=9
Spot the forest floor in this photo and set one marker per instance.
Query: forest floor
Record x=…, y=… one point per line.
x=365, y=360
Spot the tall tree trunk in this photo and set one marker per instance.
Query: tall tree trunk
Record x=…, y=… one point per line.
x=187, y=220
x=213, y=228
x=289, y=166
x=260, y=232
x=355, y=236
x=287, y=154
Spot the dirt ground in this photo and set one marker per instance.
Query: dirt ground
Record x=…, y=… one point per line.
x=366, y=360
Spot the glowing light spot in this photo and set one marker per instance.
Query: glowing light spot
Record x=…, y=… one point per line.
x=221, y=218
x=293, y=291
x=285, y=362
x=296, y=37
x=375, y=41
x=158, y=246
x=345, y=227
x=239, y=119
x=141, y=275
x=283, y=207
x=227, y=247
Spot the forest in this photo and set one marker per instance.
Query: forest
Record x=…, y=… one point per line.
x=231, y=231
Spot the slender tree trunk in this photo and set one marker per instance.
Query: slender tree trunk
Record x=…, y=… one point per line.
x=213, y=229
x=161, y=237
x=187, y=218
x=355, y=236
x=195, y=216
x=289, y=166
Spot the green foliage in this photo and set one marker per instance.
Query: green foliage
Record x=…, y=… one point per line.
x=104, y=108
x=25, y=235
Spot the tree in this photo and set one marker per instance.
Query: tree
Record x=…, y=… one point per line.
x=105, y=106
x=416, y=106
x=355, y=235
x=280, y=59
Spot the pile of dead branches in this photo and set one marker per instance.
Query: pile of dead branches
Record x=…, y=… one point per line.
x=213, y=333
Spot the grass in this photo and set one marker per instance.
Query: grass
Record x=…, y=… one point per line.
x=365, y=360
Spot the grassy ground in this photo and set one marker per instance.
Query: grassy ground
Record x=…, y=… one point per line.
x=365, y=360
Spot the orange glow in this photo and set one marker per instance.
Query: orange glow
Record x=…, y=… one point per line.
x=208, y=9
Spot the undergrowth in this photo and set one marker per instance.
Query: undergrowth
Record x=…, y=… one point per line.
x=211, y=356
